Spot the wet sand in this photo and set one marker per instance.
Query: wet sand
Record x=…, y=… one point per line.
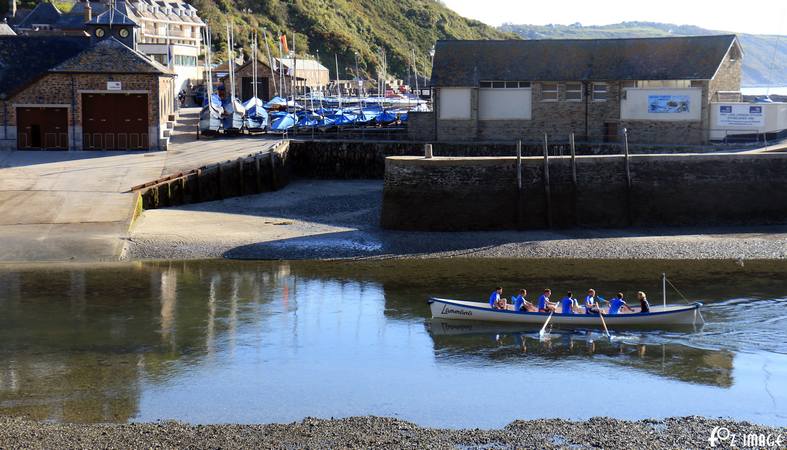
x=376, y=432
x=318, y=219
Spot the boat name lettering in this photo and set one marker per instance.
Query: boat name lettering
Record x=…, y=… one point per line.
x=447, y=309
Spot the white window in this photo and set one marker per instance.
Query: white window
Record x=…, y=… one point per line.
x=573, y=92
x=549, y=92
x=504, y=84
x=455, y=103
x=600, y=92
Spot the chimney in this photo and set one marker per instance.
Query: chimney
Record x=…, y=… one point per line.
x=11, y=8
x=88, y=12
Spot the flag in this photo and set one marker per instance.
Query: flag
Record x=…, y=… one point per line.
x=283, y=40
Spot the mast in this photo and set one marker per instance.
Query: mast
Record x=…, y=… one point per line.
x=270, y=60
x=338, y=83
x=664, y=289
x=294, y=73
x=415, y=71
x=281, y=74
x=254, y=66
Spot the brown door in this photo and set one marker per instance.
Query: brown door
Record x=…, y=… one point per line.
x=115, y=121
x=42, y=128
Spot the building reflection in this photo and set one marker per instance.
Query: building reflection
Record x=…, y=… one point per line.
x=78, y=343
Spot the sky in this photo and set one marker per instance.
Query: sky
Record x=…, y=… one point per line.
x=750, y=16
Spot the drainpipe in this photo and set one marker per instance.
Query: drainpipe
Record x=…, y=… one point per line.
x=585, y=86
x=5, y=118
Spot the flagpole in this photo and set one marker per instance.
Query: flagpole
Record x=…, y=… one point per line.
x=270, y=61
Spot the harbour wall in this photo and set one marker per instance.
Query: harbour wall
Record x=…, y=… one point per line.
x=483, y=194
x=252, y=174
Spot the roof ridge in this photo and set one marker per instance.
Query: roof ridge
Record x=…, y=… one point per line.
x=594, y=39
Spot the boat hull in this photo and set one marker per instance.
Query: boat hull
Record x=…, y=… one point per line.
x=481, y=312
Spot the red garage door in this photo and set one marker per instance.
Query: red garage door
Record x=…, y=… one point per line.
x=115, y=121
x=42, y=128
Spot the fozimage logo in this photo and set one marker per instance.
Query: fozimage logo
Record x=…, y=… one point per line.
x=723, y=436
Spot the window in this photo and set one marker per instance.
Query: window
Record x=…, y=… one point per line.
x=504, y=84
x=599, y=92
x=549, y=92
x=573, y=92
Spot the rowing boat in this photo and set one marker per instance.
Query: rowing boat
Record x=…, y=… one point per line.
x=661, y=315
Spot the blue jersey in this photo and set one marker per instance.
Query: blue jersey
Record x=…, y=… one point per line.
x=615, y=305
x=542, y=302
x=494, y=298
x=519, y=303
x=567, y=303
x=590, y=303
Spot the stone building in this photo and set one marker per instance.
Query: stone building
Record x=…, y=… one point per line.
x=316, y=76
x=81, y=93
x=168, y=31
x=268, y=81
x=659, y=89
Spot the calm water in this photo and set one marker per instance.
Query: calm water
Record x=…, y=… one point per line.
x=221, y=341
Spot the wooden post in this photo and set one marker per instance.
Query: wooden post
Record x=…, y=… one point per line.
x=257, y=173
x=547, y=191
x=519, y=197
x=628, y=175
x=241, y=181
x=574, y=192
x=519, y=165
x=218, y=177
x=273, y=168
x=428, y=151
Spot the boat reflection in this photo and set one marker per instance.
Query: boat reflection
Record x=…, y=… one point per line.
x=645, y=351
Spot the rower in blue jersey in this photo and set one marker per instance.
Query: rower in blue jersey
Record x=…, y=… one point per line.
x=567, y=304
x=495, y=302
x=591, y=305
x=618, y=305
x=521, y=303
x=544, y=305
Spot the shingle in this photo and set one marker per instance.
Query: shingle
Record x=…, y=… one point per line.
x=110, y=56
x=465, y=63
x=24, y=59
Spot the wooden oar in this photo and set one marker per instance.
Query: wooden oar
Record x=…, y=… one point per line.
x=603, y=322
x=541, y=333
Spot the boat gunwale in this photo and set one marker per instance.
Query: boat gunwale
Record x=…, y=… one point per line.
x=679, y=309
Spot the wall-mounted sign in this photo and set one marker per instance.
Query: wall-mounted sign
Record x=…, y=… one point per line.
x=742, y=115
x=114, y=86
x=668, y=104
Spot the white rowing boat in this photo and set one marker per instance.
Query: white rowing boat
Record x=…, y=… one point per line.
x=659, y=316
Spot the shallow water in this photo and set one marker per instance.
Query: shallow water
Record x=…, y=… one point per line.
x=224, y=341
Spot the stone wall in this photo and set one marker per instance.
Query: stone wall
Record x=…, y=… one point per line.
x=365, y=159
x=420, y=126
x=252, y=174
x=482, y=194
x=65, y=90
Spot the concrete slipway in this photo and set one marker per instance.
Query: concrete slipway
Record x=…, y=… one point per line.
x=62, y=206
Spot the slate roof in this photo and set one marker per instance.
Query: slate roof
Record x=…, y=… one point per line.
x=466, y=63
x=24, y=59
x=110, y=56
x=43, y=13
x=112, y=16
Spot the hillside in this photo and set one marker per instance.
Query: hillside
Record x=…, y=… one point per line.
x=329, y=27
x=765, y=60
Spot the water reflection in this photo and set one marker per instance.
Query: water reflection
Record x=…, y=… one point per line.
x=461, y=340
x=211, y=341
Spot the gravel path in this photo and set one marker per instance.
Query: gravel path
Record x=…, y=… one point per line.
x=377, y=432
x=339, y=219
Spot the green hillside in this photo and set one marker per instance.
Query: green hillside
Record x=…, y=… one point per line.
x=764, y=62
x=329, y=27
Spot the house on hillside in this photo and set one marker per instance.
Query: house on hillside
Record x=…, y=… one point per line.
x=316, y=76
x=659, y=89
x=83, y=93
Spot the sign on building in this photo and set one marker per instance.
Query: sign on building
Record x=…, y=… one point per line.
x=114, y=86
x=670, y=104
x=741, y=116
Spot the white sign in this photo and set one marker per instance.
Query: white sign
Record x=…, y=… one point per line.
x=743, y=115
x=113, y=86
